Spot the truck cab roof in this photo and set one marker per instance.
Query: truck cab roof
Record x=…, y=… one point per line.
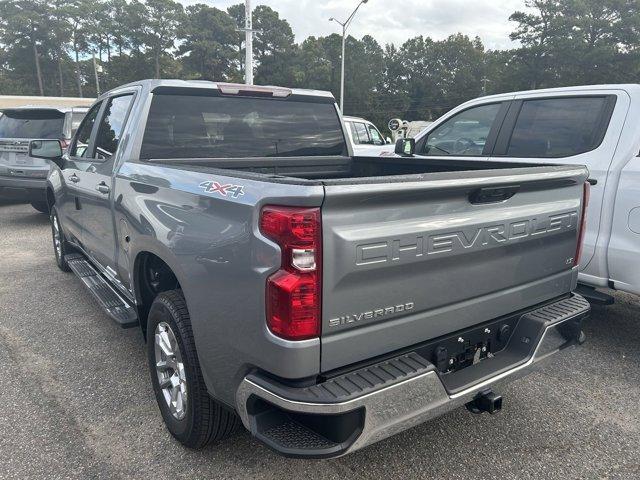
x=631, y=88
x=149, y=85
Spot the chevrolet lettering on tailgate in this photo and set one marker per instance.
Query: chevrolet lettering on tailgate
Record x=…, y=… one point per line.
x=421, y=245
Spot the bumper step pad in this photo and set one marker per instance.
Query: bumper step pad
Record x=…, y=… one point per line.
x=291, y=435
x=112, y=302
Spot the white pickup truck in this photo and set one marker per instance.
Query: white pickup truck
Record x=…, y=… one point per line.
x=594, y=126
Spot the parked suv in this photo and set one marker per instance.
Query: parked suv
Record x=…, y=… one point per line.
x=23, y=177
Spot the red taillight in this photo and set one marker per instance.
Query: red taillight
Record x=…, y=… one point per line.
x=583, y=222
x=294, y=292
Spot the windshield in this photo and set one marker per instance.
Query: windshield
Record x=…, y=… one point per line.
x=184, y=126
x=31, y=124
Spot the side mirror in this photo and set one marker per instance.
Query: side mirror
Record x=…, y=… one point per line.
x=405, y=147
x=388, y=140
x=47, y=150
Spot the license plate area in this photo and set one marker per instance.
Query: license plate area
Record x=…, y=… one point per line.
x=469, y=347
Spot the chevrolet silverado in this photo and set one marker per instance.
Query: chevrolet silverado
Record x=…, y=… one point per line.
x=325, y=300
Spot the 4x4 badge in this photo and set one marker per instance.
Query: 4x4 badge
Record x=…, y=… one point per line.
x=223, y=189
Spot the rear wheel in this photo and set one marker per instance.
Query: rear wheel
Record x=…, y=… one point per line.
x=60, y=245
x=188, y=411
x=42, y=207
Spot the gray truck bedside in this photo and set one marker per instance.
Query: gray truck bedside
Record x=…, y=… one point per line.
x=325, y=300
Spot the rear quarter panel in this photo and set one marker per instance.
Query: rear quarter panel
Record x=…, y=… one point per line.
x=213, y=244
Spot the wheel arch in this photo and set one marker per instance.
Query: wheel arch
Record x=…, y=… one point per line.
x=145, y=262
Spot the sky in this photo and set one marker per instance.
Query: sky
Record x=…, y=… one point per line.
x=488, y=19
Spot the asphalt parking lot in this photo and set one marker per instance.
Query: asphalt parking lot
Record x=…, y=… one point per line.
x=76, y=401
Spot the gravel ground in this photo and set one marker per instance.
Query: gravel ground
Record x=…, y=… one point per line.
x=76, y=400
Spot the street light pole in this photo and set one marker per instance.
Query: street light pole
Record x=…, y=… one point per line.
x=95, y=72
x=344, y=26
x=248, y=29
x=344, y=39
x=248, y=44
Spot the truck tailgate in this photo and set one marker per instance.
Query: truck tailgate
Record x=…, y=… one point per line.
x=408, y=261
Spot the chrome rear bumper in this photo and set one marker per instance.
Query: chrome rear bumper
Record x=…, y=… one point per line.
x=298, y=421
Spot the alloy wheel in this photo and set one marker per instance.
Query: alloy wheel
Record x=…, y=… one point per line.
x=57, y=236
x=170, y=370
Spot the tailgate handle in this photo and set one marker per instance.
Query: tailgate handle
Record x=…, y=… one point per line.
x=493, y=194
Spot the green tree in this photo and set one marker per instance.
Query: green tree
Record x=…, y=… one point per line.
x=161, y=21
x=274, y=47
x=537, y=29
x=208, y=36
x=75, y=11
x=237, y=13
x=313, y=69
x=27, y=23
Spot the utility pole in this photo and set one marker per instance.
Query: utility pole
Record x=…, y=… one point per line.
x=344, y=26
x=484, y=81
x=95, y=72
x=248, y=31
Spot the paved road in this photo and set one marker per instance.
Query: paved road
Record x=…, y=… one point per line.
x=76, y=401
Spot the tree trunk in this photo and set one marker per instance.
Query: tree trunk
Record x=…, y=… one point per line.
x=61, y=79
x=157, y=58
x=38, y=71
x=78, y=79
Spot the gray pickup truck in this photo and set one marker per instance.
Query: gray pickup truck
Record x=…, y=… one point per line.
x=327, y=301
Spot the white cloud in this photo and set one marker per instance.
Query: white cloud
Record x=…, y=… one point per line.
x=397, y=21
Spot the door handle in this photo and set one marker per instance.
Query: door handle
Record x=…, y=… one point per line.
x=103, y=188
x=74, y=178
x=493, y=194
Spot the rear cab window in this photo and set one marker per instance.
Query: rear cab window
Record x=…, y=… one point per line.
x=559, y=127
x=32, y=124
x=196, y=126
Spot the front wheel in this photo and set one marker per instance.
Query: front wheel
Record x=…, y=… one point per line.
x=188, y=411
x=60, y=245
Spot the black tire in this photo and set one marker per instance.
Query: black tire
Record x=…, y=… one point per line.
x=42, y=207
x=65, y=248
x=205, y=420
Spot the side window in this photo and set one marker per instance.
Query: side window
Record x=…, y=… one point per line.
x=81, y=141
x=376, y=138
x=559, y=127
x=361, y=132
x=111, y=126
x=354, y=133
x=464, y=134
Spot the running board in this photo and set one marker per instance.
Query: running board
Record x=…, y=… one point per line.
x=111, y=301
